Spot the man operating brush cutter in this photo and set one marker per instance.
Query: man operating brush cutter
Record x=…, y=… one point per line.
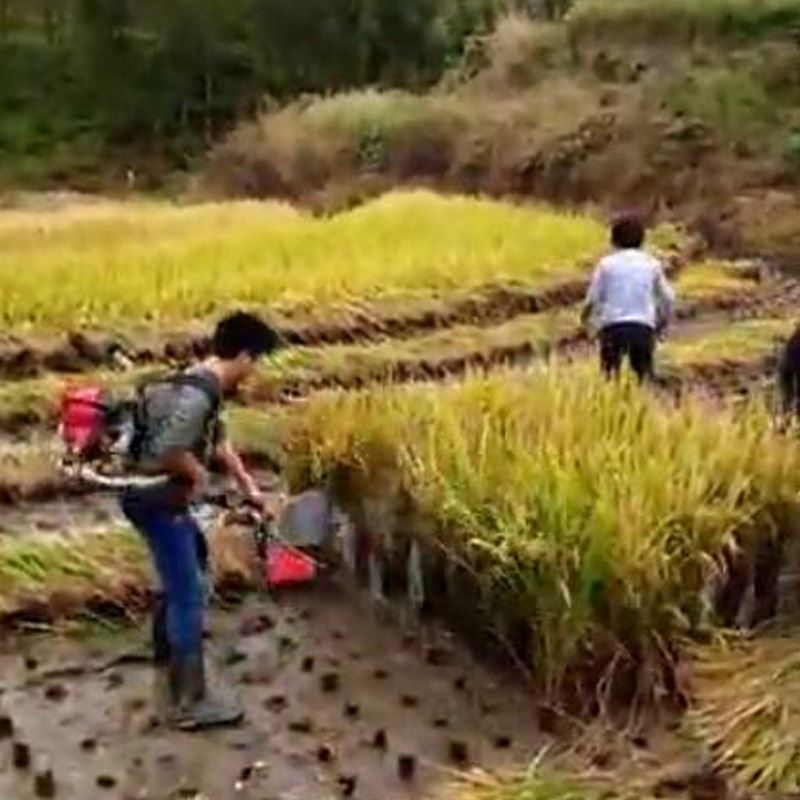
x=167, y=438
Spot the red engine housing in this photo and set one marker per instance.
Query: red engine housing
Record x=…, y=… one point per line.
x=82, y=419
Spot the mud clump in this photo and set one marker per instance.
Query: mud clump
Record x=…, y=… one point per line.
x=256, y=625
x=56, y=693
x=277, y=703
x=106, y=781
x=6, y=727
x=44, y=782
x=380, y=675
x=437, y=656
x=347, y=785
x=502, y=742
x=21, y=756
x=31, y=664
x=234, y=657
x=302, y=726
x=114, y=681
x=324, y=754
x=458, y=753
x=352, y=711
x=307, y=664
x=409, y=701
x=441, y=722
x=406, y=767
x=89, y=745
x=380, y=741
x=330, y=682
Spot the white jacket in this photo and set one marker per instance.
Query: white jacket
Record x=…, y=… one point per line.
x=630, y=286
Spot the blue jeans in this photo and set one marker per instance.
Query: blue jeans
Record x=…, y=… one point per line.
x=175, y=541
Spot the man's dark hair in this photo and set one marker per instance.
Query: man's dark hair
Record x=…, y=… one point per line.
x=244, y=333
x=627, y=232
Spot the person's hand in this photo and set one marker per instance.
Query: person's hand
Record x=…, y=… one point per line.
x=269, y=506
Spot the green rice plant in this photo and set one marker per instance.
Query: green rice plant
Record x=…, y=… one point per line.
x=64, y=572
x=128, y=264
x=747, y=711
x=588, y=511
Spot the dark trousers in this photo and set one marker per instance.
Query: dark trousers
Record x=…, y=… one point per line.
x=631, y=340
x=179, y=553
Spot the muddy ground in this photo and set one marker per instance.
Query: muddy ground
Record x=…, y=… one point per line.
x=422, y=693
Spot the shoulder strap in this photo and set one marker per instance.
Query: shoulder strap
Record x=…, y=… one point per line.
x=140, y=416
x=209, y=388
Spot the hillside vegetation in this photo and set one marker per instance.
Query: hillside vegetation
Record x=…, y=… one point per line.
x=91, y=88
x=680, y=107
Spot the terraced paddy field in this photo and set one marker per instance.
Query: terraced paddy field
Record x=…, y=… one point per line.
x=568, y=542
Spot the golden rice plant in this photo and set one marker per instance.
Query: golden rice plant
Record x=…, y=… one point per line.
x=539, y=783
x=124, y=263
x=747, y=711
x=590, y=510
x=739, y=341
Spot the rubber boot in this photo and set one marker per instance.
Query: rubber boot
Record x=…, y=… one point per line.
x=165, y=691
x=198, y=710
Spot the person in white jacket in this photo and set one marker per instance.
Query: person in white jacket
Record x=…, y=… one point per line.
x=629, y=302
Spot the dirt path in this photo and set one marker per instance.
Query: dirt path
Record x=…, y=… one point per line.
x=431, y=699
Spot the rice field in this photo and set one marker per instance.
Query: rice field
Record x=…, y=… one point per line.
x=117, y=264
x=580, y=521
x=588, y=512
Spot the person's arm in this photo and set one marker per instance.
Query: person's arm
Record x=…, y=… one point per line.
x=235, y=468
x=593, y=296
x=665, y=299
x=184, y=465
x=175, y=444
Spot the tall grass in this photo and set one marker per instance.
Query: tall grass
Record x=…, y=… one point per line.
x=125, y=264
x=589, y=511
x=683, y=19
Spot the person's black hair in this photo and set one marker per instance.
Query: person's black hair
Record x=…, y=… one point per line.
x=244, y=333
x=627, y=232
